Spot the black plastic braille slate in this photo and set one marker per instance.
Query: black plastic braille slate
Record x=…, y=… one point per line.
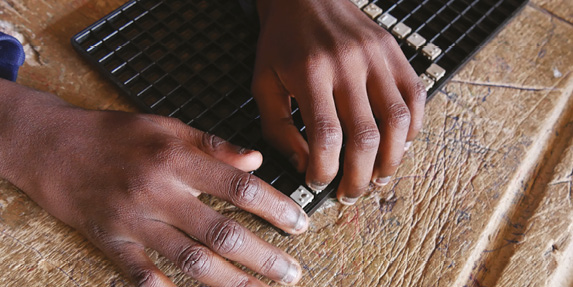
x=193, y=60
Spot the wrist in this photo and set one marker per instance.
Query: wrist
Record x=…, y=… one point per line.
x=26, y=116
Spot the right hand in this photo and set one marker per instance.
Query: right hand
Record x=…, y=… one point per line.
x=130, y=182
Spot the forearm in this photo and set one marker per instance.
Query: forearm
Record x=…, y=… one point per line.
x=23, y=115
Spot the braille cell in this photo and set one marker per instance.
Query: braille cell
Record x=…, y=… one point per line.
x=401, y=30
x=386, y=21
x=372, y=10
x=431, y=51
x=435, y=72
x=416, y=41
x=428, y=83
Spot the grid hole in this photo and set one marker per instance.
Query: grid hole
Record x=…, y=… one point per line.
x=169, y=63
x=224, y=108
x=239, y=96
x=143, y=41
x=164, y=108
x=130, y=31
x=161, y=12
x=208, y=97
x=140, y=62
x=103, y=30
x=148, y=4
x=118, y=21
x=238, y=121
x=172, y=41
x=152, y=74
x=146, y=21
x=196, y=86
x=112, y=63
x=268, y=172
x=179, y=97
x=166, y=85
x=182, y=74
x=224, y=131
x=174, y=22
x=199, y=42
x=226, y=63
x=200, y=22
x=156, y=52
x=193, y=109
x=206, y=122
x=210, y=74
x=151, y=97
x=125, y=74
x=137, y=85
x=133, y=11
x=159, y=32
x=184, y=52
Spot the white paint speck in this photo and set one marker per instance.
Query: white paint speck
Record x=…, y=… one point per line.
x=557, y=73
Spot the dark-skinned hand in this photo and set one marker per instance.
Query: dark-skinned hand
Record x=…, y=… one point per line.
x=351, y=81
x=130, y=181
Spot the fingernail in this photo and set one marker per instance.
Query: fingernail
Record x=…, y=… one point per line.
x=245, y=150
x=382, y=181
x=317, y=187
x=301, y=222
x=292, y=273
x=407, y=146
x=348, y=200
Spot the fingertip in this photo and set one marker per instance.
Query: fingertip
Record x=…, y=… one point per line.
x=407, y=145
x=347, y=200
x=249, y=160
x=302, y=223
x=381, y=181
x=298, y=221
x=293, y=274
x=242, y=158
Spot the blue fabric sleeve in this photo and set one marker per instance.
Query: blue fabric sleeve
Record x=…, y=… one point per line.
x=11, y=57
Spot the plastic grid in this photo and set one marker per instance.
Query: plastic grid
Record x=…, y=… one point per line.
x=193, y=59
x=457, y=27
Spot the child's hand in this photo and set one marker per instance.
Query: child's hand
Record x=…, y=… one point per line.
x=129, y=182
x=351, y=81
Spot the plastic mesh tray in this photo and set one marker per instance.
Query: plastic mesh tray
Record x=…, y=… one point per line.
x=193, y=60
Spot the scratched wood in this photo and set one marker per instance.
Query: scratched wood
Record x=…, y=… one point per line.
x=482, y=198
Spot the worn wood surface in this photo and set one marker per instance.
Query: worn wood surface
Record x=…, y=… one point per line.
x=483, y=198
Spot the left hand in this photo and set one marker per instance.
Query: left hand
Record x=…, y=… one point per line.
x=351, y=81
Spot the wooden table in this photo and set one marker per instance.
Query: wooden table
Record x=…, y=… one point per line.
x=483, y=198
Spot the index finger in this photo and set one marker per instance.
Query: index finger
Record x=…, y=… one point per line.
x=243, y=190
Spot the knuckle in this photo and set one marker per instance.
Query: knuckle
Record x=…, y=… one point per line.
x=166, y=151
x=210, y=141
x=351, y=52
x=394, y=162
x=311, y=64
x=226, y=237
x=195, y=261
x=244, y=189
x=244, y=282
x=386, y=40
x=398, y=116
x=328, y=134
x=269, y=264
x=367, y=137
x=419, y=93
x=145, y=278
